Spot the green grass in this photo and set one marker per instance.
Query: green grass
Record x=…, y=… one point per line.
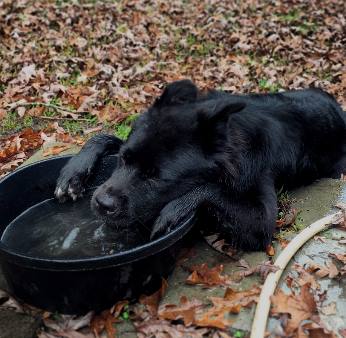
x=72, y=126
x=28, y=122
x=193, y=47
x=51, y=112
x=72, y=80
x=2, y=88
x=13, y=123
x=292, y=15
x=125, y=315
x=10, y=122
x=306, y=27
x=239, y=334
x=264, y=84
x=123, y=129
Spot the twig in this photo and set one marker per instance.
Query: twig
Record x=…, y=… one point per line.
x=48, y=105
x=59, y=118
x=262, y=310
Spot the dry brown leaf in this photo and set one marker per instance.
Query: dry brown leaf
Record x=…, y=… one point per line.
x=305, y=278
x=270, y=250
x=27, y=73
x=329, y=269
x=107, y=319
x=232, y=302
x=340, y=257
x=208, y=277
x=55, y=150
x=314, y=330
x=262, y=269
x=185, y=310
x=283, y=243
x=152, y=302
x=27, y=140
x=219, y=244
x=288, y=219
x=215, y=317
x=299, y=306
x=164, y=329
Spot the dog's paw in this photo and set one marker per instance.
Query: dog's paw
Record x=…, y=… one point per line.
x=163, y=225
x=71, y=182
x=170, y=217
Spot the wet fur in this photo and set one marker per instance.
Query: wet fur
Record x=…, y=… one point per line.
x=215, y=154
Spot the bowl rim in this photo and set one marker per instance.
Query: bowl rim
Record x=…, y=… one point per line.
x=90, y=263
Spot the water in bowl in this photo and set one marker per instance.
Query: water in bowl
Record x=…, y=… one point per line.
x=66, y=230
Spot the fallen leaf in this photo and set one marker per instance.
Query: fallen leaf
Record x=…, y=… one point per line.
x=164, y=329
x=329, y=309
x=262, y=269
x=215, y=317
x=27, y=73
x=305, y=278
x=299, y=306
x=314, y=330
x=288, y=219
x=270, y=250
x=185, y=310
x=152, y=302
x=106, y=320
x=329, y=269
x=340, y=257
x=55, y=150
x=203, y=275
x=219, y=244
x=232, y=302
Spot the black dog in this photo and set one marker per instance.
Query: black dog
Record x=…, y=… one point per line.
x=217, y=153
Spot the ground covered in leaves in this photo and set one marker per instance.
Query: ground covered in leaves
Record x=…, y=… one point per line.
x=71, y=68
x=89, y=65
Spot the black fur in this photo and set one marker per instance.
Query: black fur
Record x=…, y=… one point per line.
x=218, y=154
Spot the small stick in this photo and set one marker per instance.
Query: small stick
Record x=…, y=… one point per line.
x=262, y=310
x=48, y=105
x=59, y=118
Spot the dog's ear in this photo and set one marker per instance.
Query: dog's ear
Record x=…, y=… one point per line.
x=216, y=110
x=178, y=92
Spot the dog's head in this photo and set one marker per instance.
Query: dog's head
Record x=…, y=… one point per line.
x=173, y=148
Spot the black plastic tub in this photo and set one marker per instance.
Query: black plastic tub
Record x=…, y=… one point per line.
x=78, y=285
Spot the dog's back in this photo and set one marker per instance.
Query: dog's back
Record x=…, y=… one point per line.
x=300, y=134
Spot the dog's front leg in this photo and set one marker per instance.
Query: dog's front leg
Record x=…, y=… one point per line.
x=74, y=174
x=182, y=208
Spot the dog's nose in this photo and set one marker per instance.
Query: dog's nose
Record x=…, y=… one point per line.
x=105, y=202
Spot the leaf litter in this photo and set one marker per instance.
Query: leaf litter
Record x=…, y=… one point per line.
x=67, y=59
